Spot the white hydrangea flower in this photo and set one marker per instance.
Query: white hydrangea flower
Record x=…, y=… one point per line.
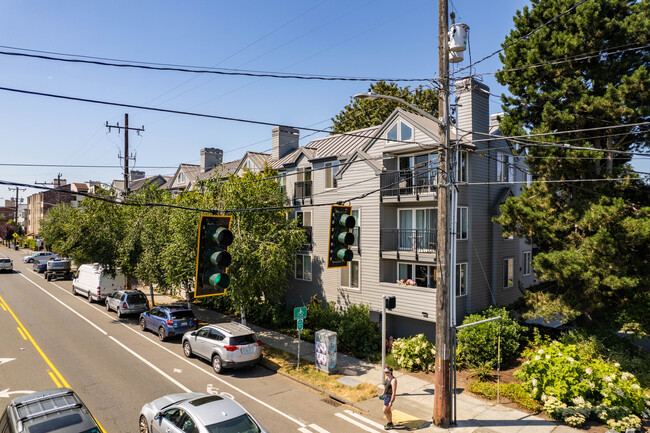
x=540, y=351
x=588, y=370
x=607, y=378
x=616, y=364
x=568, y=358
x=548, y=356
x=534, y=382
x=592, y=385
x=635, y=386
x=537, y=358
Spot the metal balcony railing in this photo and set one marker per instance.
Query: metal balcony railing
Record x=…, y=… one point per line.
x=408, y=182
x=416, y=240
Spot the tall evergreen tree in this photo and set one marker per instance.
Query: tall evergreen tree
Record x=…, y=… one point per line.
x=583, y=79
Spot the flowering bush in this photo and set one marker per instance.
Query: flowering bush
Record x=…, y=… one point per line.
x=414, y=353
x=408, y=282
x=575, y=389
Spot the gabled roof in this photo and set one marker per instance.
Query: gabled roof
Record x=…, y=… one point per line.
x=79, y=187
x=503, y=196
x=191, y=172
x=220, y=171
x=339, y=146
x=423, y=124
x=157, y=179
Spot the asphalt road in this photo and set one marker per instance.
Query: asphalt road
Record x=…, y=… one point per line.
x=51, y=338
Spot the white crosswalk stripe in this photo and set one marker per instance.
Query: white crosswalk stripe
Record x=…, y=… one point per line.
x=366, y=420
x=358, y=424
x=318, y=428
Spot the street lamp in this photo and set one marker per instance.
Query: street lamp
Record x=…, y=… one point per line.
x=372, y=96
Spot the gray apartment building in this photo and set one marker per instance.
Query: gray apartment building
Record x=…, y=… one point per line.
x=389, y=175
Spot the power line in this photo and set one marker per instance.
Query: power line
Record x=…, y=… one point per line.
x=189, y=69
x=522, y=37
x=18, y=164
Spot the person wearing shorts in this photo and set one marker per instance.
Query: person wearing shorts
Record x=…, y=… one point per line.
x=390, y=391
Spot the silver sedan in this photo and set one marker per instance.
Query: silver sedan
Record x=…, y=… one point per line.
x=196, y=413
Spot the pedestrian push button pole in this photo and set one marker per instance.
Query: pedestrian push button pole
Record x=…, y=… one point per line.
x=341, y=237
x=212, y=256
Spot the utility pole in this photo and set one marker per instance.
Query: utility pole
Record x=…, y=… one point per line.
x=16, y=217
x=442, y=396
x=126, y=147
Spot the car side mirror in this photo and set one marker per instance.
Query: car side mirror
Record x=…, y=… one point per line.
x=193, y=333
x=158, y=416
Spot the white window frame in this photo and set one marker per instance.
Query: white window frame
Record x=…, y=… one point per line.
x=181, y=177
x=302, y=221
x=413, y=274
x=348, y=271
x=508, y=273
x=357, y=221
x=399, y=124
x=462, y=174
x=529, y=179
x=461, y=289
x=528, y=255
x=463, y=214
x=330, y=172
x=511, y=168
x=304, y=274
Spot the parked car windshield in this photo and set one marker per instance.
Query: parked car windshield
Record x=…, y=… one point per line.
x=242, y=424
x=5, y=260
x=243, y=339
x=182, y=315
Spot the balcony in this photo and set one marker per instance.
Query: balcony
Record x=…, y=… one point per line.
x=302, y=191
x=409, y=184
x=408, y=243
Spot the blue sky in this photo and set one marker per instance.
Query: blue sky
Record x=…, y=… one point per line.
x=380, y=39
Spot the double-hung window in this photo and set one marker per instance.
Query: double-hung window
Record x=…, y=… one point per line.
x=463, y=167
x=461, y=279
x=508, y=273
x=462, y=223
x=303, y=267
x=350, y=275
x=527, y=258
x=330, y=172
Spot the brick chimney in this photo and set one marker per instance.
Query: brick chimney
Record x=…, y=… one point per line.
x=210, y=158
x=285, y=141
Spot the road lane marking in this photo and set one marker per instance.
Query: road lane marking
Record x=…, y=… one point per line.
x=66, y=306
x=304, y=430
x=318, y=428
x=364, y=419
x=22, y=334
x=153, y=367
x=56, y=382
x=356, y=423
x=139, y=333
x=38, y=349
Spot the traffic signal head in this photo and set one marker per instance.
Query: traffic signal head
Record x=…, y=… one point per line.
x=390, y=302
x=341, y=222
x=213, y=258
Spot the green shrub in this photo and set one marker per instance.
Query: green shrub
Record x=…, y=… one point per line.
x=414, y=353
x=556, y=371
x=482, y=372
x=357, y=334
x=478, y=344
x=485, y=389
x=513, y=391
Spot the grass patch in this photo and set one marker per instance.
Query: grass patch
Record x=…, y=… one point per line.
x=285, y=362
x=512, y=391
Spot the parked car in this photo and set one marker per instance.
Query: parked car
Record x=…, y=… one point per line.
x=40, y=266
x=225, y=345
x=41, y=255
x=168, y=320
x=58, y=268
x=6, y=265
x=196, y=413
x=127, y=302
x=59, y=410
x=95, y=283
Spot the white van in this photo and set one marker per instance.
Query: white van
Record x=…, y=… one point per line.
x=92, y=282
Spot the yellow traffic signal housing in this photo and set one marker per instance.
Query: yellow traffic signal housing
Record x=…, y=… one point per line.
x=212, y=256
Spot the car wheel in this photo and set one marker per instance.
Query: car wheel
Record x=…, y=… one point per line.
x=119, y=313
x=108, y=308
x=30, y=261
x=142, y=324
x=161, y=333
x=90, y=298
x=216, y=364
x=187, y=349
x=144, y=425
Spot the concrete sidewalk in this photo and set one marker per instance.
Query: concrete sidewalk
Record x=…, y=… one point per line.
x=413, y=407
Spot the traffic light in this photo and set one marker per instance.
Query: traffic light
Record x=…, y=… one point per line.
x=390, y=302
x=341, y=222
x=212, y=256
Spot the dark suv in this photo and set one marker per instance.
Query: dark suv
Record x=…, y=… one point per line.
x=59, y=410
x=168, y=320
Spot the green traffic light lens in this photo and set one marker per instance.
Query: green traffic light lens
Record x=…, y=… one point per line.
x=345, y=254
x=220, y=258
x=219, y=279
x=346, y=221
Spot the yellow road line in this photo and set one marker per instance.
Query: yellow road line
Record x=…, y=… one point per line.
x=29, y=337
x=20, y=331
x=54, y=379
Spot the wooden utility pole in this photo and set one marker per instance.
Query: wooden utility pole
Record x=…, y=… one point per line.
x=126, y=147
x=442, y=396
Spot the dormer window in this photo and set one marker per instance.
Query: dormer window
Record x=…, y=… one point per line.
x=181, y=177
x=400, y=132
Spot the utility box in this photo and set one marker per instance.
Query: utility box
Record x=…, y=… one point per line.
x=325, y=352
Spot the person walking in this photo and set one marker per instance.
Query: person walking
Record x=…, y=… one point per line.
x=390, y=391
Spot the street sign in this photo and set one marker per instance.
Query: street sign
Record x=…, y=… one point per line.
x=300, y=324
x=15, y=235
x=299, y=313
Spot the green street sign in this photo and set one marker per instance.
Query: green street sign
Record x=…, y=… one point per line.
x=299, y=324
x=299, y=313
